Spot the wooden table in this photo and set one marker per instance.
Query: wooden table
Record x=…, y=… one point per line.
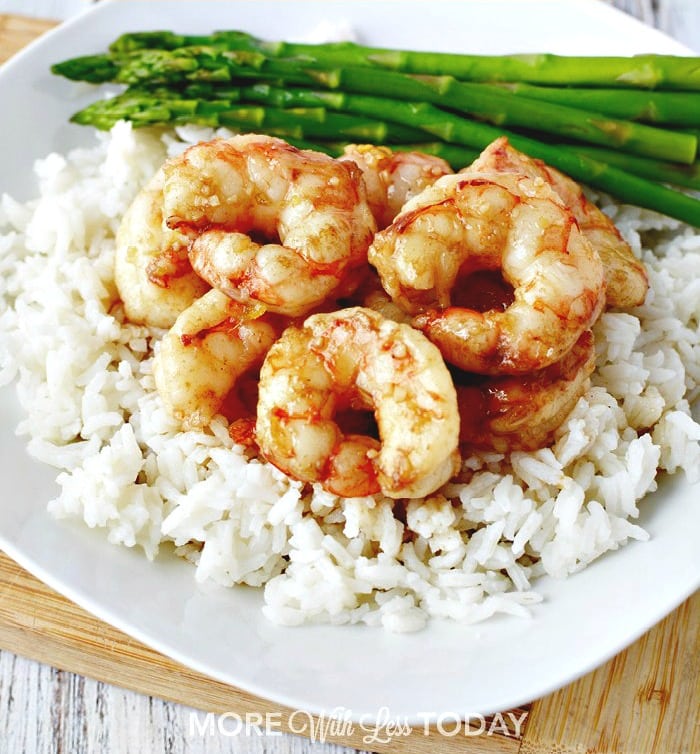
x=89, y=687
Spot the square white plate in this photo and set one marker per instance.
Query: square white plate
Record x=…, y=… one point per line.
x=447, y=667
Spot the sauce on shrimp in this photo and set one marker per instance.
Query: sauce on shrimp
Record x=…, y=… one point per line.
x=269, y=223
x=356, y=358
x=504, y=222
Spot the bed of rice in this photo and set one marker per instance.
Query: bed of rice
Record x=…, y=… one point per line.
x=84, y=381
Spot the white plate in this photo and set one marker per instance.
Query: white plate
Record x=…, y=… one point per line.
x=445, y=668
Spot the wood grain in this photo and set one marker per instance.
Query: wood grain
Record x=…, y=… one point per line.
x=17, y=32
x=644, y=701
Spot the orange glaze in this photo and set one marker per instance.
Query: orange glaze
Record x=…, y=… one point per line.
x=523, y=412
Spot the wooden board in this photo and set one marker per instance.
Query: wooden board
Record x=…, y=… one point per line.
x=644, y=701
x=18, y=31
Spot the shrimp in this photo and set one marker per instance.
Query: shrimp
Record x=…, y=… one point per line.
x=466, y=223
x=379, y=300
x=371, y=295
x=308, y=213
x=626, y=277
x=153, y=275
x=355, y=358
x=392, y=178
x=212, y=344
x=522, y=412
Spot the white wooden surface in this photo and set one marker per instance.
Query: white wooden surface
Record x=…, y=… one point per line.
x=44, y=710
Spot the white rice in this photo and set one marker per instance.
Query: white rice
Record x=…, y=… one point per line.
x=84, y=381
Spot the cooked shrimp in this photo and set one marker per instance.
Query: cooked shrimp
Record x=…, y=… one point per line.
x=379, y=301
x=495, y=221
x=153, y=275
x=522, y=412
x=210, y=346
x=625, y=275
x=355, y=358
x=371, y=295
x=392, y=178
x=310, y=209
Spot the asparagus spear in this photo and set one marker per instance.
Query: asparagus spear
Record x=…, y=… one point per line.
x=168, y=40
x=319, y=123
x=488, y=103
x=655, y=170
x=500, y=107
x=311, y=123
x=668, y=172
x=311, y=120
x=155, y=67
x=642, y=71
x=660, y=107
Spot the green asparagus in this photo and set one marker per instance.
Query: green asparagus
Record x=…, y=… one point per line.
x=659, y=107
x=313, y=121
x=687, y=176
x=326, y=95
x=642, y=71
x=488, y=103
x=142, y=109
x=678, y=174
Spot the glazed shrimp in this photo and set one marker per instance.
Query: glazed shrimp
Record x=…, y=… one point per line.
x=307, y=211
x=625, y=275
x=153, y=275
x=379, y=301
x=358, y=359
x=523, y=412
x=210, y=346
x=392, y=178
x=492, y=221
